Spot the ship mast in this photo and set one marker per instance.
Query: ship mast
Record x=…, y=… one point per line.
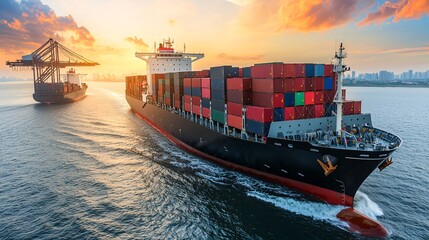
x=340, y=69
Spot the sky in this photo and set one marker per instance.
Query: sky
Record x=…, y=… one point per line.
x=378, y=35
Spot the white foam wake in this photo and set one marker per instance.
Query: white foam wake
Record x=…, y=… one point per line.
x=365, y=205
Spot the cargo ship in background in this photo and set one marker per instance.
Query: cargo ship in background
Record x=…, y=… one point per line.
x=46, y=63
x=70, y=90
x=286, y=123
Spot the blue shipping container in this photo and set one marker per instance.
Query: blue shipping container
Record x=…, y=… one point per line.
x=187, y=91
x=196, y=92
x=223, y=72
x=319, y=70
x=328, y=83
x=206, y=102
x=247, y=72
x=218, y=105
x=259, y=128
x=279, y=114
x=218, y=83
x=309, y=70
x=218, y=95
x=289, y=99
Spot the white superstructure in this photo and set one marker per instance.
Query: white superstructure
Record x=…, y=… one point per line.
x=73, y=77
x=166, y=60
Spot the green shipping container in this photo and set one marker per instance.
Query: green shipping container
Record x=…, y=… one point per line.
x=218, y=116
x=299, y=99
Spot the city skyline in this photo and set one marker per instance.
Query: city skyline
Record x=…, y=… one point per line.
x=377, y=34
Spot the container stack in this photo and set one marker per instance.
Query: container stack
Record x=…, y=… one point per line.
x=266, y=92
x=169, y=90
x=187, y=93
x=218, y=76
x=196, y=95
x=155, y=85
x=205, y=96
x=178, y=89
x=239, y=94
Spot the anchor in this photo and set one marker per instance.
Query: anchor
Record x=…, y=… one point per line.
x=329, y=168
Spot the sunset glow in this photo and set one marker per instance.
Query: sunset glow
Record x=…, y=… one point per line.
x=388, y=35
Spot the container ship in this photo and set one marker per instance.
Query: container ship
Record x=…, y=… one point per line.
x=46, y=63
x=72, y=89
x=286, y=123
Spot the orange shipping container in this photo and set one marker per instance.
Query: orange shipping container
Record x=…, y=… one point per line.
x=235, y=121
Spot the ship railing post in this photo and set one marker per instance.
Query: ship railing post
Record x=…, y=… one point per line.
x=243, y=122
x=211, y=120
x=225, y=127
x=201, y=111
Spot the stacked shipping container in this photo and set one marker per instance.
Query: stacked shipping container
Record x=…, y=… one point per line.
x=266, y=92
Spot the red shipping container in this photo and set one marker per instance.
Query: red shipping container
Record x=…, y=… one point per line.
x=196, y=109
x=187, y=99
x=205, y=92
x=239, y=84
x=319, y=84
x=202, y=73
x=240, y=72
x=259, y=114
x=196, y=82
x=244, y=98
x=309, y=84
x=187, y=82
x=161, y=88
x=176, y=97
x=299, y=112
x=206, y=112
x=268, y=70
x=348, y=107
x=289, y=85
x=309, y=98
x=300, y=70
x=263, y=99
x=308, y=112
x=234, y=109
x=235, y=121
x=319, y=97
x=289, y=70
x=289, y=113
x=319, y=110
x=278, y=100
x=205, y=83
x=329, y=96
x=357, y=105
x=344, y=94
x=177, y=104
x=299, y=84
x=168, y=101
x=329, y=70
x=267, y=85
x=188, y=107
x=196, y=100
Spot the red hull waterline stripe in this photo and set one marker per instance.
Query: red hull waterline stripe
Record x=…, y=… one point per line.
x=327, y=195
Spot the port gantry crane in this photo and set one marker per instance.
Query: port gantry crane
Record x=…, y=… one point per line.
x=47, y=61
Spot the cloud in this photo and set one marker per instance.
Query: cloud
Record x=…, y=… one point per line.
x=25, y=24
x=228, y=57
x=399, y=10
x=302, y=15
x=139, y=42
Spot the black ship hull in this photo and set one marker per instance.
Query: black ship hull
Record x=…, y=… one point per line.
x=60, y=98
x=287, y=162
